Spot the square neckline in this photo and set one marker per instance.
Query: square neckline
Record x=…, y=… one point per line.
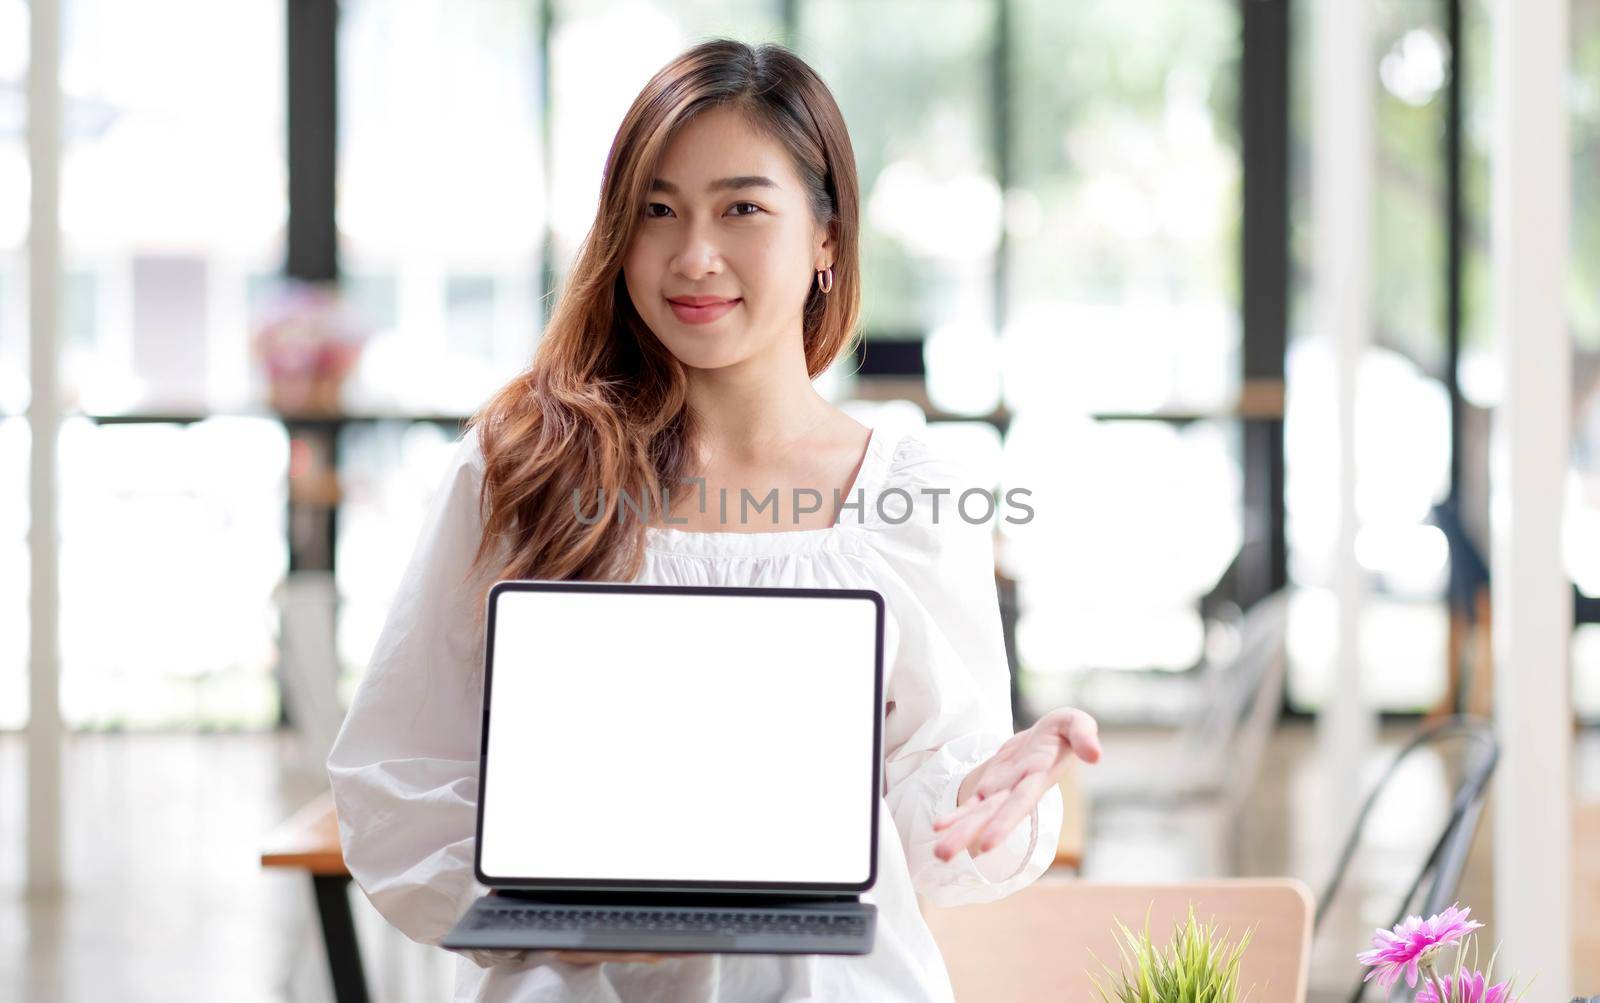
x=866, y=472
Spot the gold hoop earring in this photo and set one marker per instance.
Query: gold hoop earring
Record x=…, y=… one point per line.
x=825, y=280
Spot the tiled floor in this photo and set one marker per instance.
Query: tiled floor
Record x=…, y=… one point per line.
x=166, y=901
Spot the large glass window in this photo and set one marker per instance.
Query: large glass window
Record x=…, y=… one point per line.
x=1123, y=217
x=14, y=572
x=172, y=207
x=1134, y=522
x=914, y=82
x=1481, y=373
x=172, y=544
x=1582, y=546
x=441, y=197
x=1402, y=407
x=14, y=195
x=172, y=197
x=1050, y=202
x=1121, y=222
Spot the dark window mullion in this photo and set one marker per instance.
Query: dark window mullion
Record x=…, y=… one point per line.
x=1264, y=128
x=313, y=137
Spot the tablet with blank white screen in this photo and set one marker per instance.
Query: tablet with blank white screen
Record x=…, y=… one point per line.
x=643, y=736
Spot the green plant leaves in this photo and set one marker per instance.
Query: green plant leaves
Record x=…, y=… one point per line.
x=1196, y=966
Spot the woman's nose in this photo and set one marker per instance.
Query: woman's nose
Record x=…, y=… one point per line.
x=698, y=255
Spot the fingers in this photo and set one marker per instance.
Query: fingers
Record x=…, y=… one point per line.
x=600, y=957
x=1014, y=779
x=1081, y=731
x=1016, y=808
x=1002, y=776
x=488, y=957
x=1045, y=748
x=961, y=833
x=974, y=803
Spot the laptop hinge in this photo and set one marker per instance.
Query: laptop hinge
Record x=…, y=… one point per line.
x=686, y=898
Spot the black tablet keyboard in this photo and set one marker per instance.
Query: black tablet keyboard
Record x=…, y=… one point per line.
x=545, y=917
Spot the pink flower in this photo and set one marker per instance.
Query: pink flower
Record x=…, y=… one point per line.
x=1413, y=943
x=1472, y=989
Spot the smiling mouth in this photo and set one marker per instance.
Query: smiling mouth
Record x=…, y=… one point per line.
x=703, y=312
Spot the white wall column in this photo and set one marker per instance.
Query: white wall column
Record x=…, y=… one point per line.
x=1342, y=167
x=44, y=421
x=1532, y=595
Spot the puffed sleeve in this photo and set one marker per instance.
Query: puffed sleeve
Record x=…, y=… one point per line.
x=950, y=683
x=404, y=768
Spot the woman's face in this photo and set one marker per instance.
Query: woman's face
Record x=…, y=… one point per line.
x=726, y=249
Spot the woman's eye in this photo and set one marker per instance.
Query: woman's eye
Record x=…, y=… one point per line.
x=650, y=209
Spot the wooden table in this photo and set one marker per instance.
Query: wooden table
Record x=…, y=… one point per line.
x=1586, y=894
x=1040, y=944
x=309, y=841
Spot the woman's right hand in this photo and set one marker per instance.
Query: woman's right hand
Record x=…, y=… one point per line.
x=486, y=958
x=596, y=957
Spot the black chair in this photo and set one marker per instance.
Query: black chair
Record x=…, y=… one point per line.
x=1448, y=856
x=1199, y=780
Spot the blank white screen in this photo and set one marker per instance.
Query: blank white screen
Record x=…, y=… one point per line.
x=681, y=737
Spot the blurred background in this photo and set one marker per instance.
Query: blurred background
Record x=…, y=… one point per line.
x=299, y=242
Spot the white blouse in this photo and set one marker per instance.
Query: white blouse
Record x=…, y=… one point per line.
x=404, y=769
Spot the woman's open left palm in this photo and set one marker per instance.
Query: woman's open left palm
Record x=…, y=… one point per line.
x=1004, y=789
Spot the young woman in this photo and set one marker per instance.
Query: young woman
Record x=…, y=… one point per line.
x=720, y=278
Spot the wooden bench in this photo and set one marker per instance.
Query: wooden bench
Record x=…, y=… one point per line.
x=309, y=841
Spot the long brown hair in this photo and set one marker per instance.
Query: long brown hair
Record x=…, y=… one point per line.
x=602, y=408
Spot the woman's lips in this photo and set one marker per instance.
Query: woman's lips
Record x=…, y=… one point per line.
x=702, y=314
